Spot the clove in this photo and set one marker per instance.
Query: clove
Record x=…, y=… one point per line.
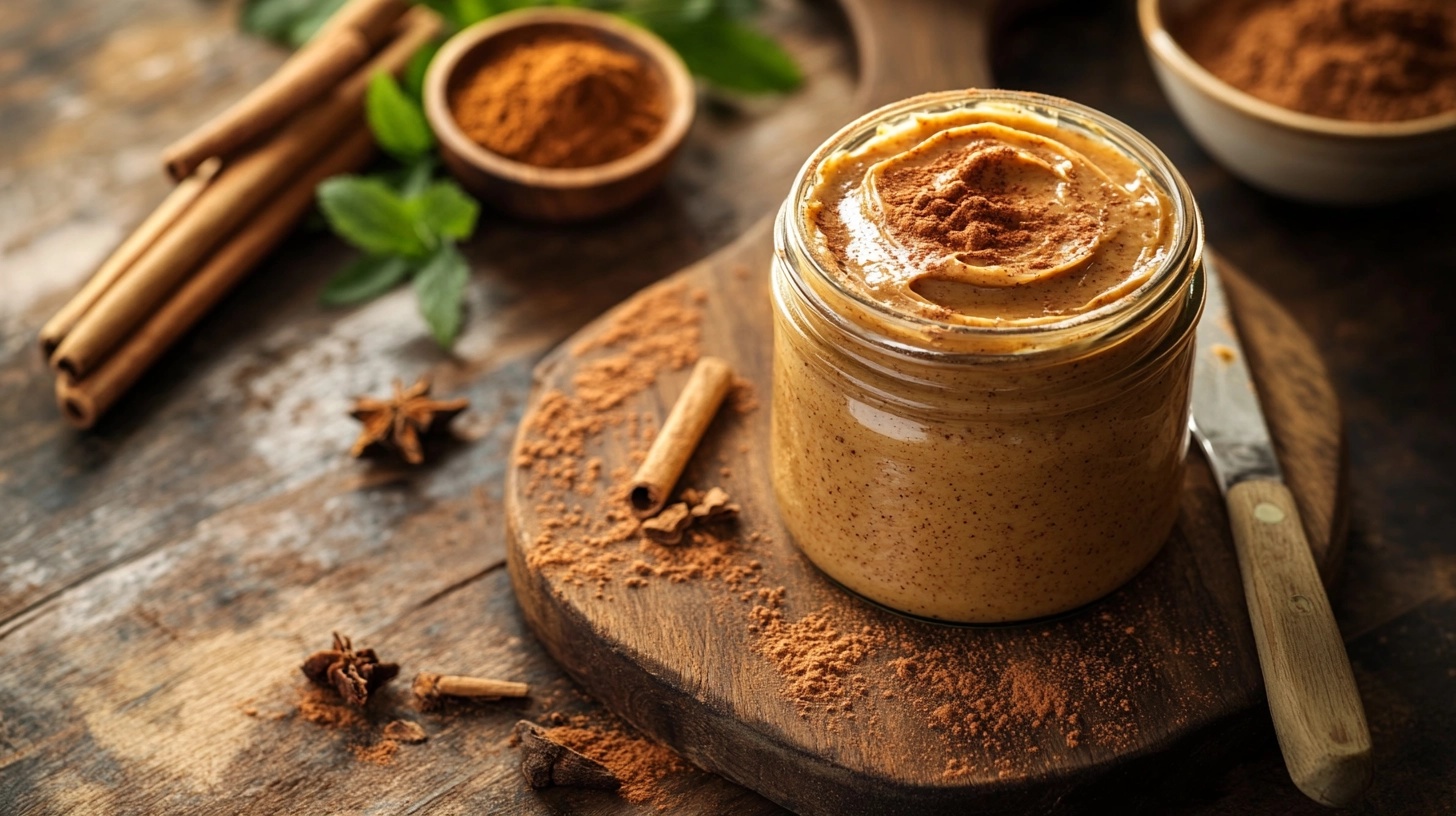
x=546, y=763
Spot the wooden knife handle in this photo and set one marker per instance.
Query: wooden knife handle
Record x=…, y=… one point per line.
x=1315, y=705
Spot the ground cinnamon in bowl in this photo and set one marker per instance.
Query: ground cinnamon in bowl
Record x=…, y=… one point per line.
x=1358, y=60
x=560, y=100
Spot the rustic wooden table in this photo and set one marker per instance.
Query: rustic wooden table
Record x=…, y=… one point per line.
x=162, y=577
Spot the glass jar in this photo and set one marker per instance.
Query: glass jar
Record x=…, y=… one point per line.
x=981, y=473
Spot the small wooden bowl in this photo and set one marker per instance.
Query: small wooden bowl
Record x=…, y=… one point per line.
x=548, y=193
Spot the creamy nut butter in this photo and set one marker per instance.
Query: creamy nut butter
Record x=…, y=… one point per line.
x=982, y=351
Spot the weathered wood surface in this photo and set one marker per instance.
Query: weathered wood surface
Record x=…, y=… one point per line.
x=708, y=689
x=159, y=574
x=172, y=568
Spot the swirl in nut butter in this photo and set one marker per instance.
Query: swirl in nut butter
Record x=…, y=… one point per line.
x=987, y=218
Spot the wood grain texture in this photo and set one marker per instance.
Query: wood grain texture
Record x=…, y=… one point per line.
x=214, y=515
x=709, y=691
x=172, y=568
x=1316, y=707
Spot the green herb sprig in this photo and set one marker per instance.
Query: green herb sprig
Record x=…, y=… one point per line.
x=408, y=219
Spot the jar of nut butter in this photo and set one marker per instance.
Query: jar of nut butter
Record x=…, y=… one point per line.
x=984, y=310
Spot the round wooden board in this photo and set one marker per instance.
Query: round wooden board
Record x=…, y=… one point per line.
x=1147, y=688
x=1167, y=662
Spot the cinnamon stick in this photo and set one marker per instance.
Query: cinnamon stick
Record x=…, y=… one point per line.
x=84, y=401
x=244, y=185
x=126, y=254
x=349, y=37
x=689, y=418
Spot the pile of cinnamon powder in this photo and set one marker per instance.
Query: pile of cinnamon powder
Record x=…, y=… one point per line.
x=1363, y=60
x=561, y=101
x=639, y=763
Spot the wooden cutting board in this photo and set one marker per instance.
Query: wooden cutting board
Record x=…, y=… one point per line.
x=1144, y=689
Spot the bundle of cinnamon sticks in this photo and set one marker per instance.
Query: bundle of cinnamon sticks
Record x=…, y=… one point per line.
x=244, y=180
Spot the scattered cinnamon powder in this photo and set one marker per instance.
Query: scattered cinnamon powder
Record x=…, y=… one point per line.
x=1363, y=60
x=1005, y=707
x=638, y=762
x=816, y=658
x=557, y=100
x=405, y=731
x=379, y=753
x=324, y=707
x=657, y=332
x=744, y=397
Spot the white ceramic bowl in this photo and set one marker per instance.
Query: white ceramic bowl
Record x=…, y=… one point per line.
x=1311, y=158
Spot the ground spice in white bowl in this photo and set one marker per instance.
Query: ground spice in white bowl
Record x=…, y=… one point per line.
x=1360, y=60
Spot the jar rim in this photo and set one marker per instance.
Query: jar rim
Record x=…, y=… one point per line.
x=1185, y=247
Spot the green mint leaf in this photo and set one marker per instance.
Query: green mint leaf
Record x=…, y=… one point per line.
x=368, y=214
x=693, y=10
x=416, y=177
x=445, y=210
x=398, y=122
x=471, y=12
x=365, y=279
x=440, y=291
x=289, y=22
x=731, y=55
x=408, y=179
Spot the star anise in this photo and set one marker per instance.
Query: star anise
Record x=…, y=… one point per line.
x=354, y=675
x=397, y=424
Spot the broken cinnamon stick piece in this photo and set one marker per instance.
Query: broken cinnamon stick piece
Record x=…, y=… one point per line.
x=668, y=526
x=430, y=687
x=546, y=763
x=333, y=53
x=689, y=419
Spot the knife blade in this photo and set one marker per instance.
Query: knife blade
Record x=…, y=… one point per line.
x=1313, y=700
x=1228, y=421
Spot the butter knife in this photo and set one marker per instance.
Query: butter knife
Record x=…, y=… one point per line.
x=1313, y=700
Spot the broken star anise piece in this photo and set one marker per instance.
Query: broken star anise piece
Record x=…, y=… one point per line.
x=668, y=526
x=397, y=424
x=712, y=505
x=355, y=675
